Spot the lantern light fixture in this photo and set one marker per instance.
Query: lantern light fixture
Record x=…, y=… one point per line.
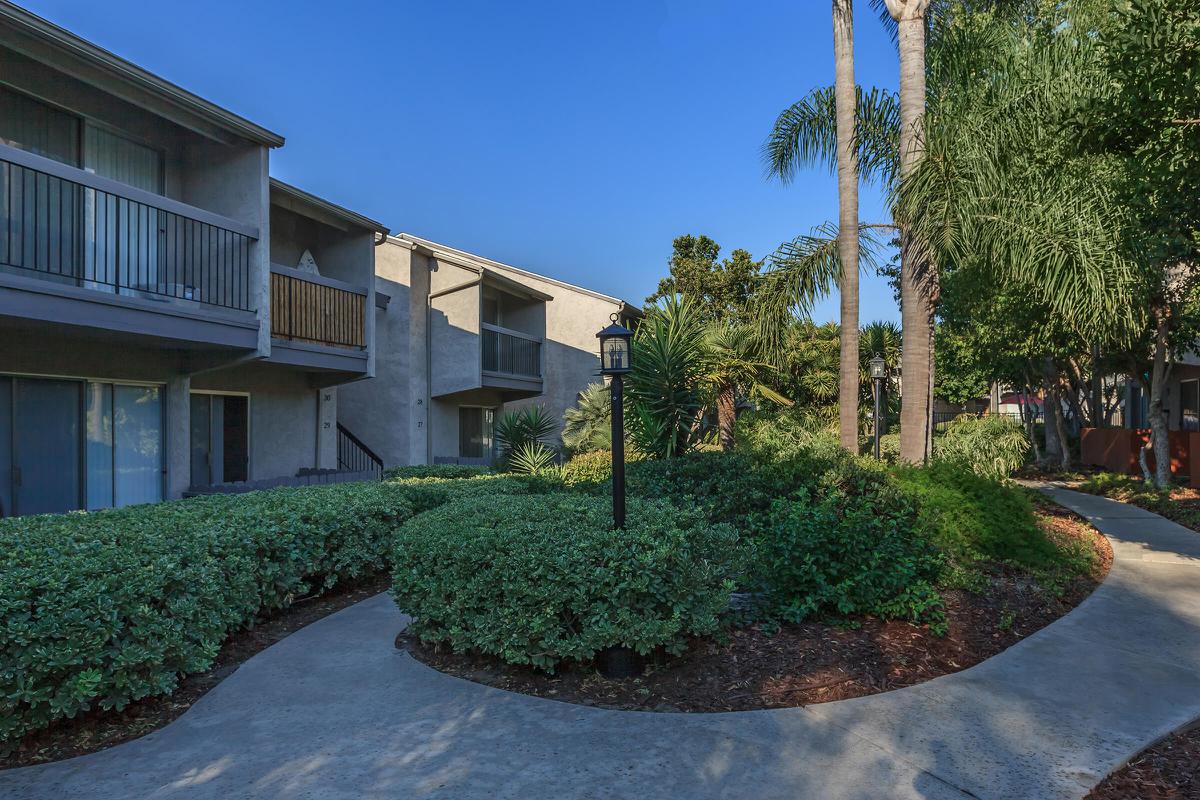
x=614, y=348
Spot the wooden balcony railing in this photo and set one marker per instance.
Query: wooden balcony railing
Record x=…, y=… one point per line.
x=310, y=308
x=511, y=352
x=67, y=225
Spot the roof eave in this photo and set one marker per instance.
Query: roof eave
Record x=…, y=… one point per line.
x=147, y=81
x=345, y=214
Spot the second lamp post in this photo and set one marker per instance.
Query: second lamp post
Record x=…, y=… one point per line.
x=615, y=362
x=878, y=375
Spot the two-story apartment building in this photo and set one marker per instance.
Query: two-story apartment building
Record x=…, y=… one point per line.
x=170, y=317
x=463, y=339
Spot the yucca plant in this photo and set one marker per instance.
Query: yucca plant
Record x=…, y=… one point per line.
x=531, y=458
x=666, y=386
x=518, y=430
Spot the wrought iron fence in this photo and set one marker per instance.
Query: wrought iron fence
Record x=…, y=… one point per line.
x=125, y=242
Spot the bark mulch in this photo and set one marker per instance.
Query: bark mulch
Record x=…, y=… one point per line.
x=756, y=668
x=1170, y=770
x=97, y=730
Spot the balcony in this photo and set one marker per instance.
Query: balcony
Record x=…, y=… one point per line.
x=68, y=235
x=510, y=354
x=317, y=310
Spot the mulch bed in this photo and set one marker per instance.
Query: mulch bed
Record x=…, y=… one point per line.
x=1170, y=770
x=99, y=729
x=797, y=665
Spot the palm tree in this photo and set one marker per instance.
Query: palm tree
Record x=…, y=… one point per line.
x=588, y=425
x=735, y=363
x=845, y=100
x=918, y=279
x=995, y=190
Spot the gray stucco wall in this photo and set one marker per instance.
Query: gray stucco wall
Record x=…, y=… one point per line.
x=394, y=412
x=389, y=411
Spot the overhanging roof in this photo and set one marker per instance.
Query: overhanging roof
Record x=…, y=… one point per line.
x=287, y=196
x=46, y=42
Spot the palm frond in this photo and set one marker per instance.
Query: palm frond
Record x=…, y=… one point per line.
x=805, y=135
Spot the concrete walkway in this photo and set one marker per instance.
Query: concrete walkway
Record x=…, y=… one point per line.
x=334, y=711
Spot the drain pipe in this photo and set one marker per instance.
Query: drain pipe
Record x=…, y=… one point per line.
x=429, y=298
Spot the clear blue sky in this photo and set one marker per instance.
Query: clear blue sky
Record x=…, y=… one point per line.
x=575, y=139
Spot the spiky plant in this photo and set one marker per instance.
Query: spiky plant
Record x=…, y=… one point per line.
x=588, y=425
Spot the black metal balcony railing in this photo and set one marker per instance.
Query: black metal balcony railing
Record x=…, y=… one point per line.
x=511, y=353
x=102, y=237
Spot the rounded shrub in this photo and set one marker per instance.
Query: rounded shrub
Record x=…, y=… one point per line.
x=539, y=580
x=845, y=542
x=971, y=517
x=588, y=468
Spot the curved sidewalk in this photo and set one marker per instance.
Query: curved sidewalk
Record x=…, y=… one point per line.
x=334, y=711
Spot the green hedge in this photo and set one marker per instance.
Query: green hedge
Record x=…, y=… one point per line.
x=445, y=471
x=100, y=609
x=542, y=579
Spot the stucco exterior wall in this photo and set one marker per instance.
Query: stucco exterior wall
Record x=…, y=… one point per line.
x=428, y=357
x=390, y=411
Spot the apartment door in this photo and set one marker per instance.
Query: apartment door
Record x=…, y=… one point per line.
x=220, y=438
x=475, y=434
x=45, y=455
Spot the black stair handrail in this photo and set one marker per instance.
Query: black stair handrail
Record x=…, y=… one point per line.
x=351, y=456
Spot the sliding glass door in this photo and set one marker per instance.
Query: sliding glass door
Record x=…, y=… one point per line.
x=45, y=445
x=124, y=445
x=70, y=444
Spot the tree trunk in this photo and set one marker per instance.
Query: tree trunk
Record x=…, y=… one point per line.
x=1098, y=417
x=1054, y=442
x=1054, y=413
x=1028, y=414
x=846, y=99
x=1159, y=438
x=916, y=290
x=726, y=414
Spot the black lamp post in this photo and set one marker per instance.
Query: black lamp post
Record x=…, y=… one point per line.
x=879, y=375
x=615, y=362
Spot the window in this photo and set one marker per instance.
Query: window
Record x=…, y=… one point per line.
x=1189, y=405
x=37, y=128
x=475, y=432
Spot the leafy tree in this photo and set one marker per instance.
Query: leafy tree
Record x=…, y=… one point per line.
x=1145, y=117
x=720, y=289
